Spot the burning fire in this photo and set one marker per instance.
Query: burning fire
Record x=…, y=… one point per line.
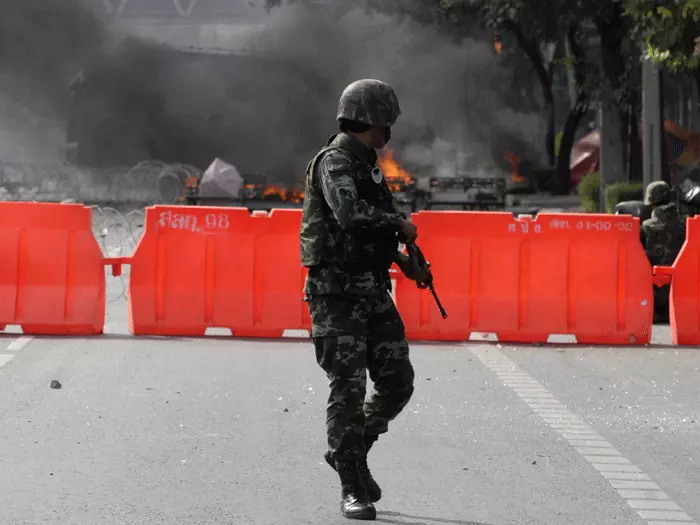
x=497, y=44
x=514, y=162
x=275, y=191
x=296, y=196
x=396, y=177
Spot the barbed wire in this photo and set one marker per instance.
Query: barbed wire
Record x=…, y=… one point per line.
x=116, y=229
x=118, y=233
x=147, y=181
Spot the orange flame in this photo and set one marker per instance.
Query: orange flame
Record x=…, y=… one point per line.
x=514, y=162
x=296, y=196
x=275, y=191
x=497, y=44
x=396, y=177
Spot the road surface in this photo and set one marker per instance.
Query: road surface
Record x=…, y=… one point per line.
x=218, y=431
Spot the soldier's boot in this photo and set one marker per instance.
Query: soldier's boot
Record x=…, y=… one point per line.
x=373, y=490
x=355, y=504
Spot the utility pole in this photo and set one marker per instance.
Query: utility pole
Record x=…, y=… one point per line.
x=654, y=149
x=611, y=151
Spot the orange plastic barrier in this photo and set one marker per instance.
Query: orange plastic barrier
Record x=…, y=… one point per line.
x=684, y=299
x=201, y=267
x=52, y=277
x=524, y=279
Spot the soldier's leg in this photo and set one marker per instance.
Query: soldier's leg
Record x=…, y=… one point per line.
x=389, y=368
x=338, y=330
x=342, y=354
x=344, y=359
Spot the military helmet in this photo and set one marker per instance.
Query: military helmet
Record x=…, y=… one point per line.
x=658, y=192
x=369, y=101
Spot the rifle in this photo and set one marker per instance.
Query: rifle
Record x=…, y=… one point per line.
x=417, y=258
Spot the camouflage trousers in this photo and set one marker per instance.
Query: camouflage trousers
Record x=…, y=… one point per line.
x=353, y=337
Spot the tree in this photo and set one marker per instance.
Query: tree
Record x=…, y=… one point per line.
x=605, y=65
x=533, y=24
x=579, y=64
x=620, y=80
x=669, y=32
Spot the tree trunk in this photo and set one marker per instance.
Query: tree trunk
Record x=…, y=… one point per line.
x=551, y=132
x=635, y=159
x=532, y=50
x=567, y=144
x=624, y=116
x=695, y=108
x=612, y=34
x=575, y=114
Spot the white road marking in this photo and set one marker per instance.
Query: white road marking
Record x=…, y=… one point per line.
x=679, y=517
x=637, y=494
x=5, y=358
x=19, y=343
x=634, y=486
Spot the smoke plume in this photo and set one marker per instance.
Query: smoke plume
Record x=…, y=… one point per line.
x=42, y=44
x=266, y=110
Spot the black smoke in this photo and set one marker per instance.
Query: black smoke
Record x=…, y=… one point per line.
x=269, y=105
x=42, y=44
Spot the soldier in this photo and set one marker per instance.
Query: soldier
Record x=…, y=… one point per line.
x=663, y=236
x=350, y=237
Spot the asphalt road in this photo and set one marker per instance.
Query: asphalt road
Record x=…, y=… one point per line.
x=221, y=431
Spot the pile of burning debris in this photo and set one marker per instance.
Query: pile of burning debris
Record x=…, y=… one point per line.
x=221, y=183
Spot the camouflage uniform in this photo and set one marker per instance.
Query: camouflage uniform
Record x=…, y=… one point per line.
x=348, y=243
x=663, y=236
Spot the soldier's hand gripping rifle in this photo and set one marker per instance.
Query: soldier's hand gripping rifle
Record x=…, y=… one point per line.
x=420, y=266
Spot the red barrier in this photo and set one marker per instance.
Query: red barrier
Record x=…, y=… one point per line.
x=201, y=267
x=524, y=279
x=51, y=271
x=684, y=299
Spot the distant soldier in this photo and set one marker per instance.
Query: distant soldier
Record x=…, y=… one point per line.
x=662, y=236
x=349, y=237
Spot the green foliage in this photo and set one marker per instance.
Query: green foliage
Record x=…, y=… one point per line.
x=530, y=22
x=667, y=30
x=622, y=191
x=589, y=191
x=557, y=142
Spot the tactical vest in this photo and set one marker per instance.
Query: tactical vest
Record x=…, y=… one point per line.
x=323, y=242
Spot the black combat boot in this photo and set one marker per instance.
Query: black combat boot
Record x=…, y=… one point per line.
x=373, y=490
x=355, y=504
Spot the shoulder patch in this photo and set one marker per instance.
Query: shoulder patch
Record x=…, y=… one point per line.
x=335, y=162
